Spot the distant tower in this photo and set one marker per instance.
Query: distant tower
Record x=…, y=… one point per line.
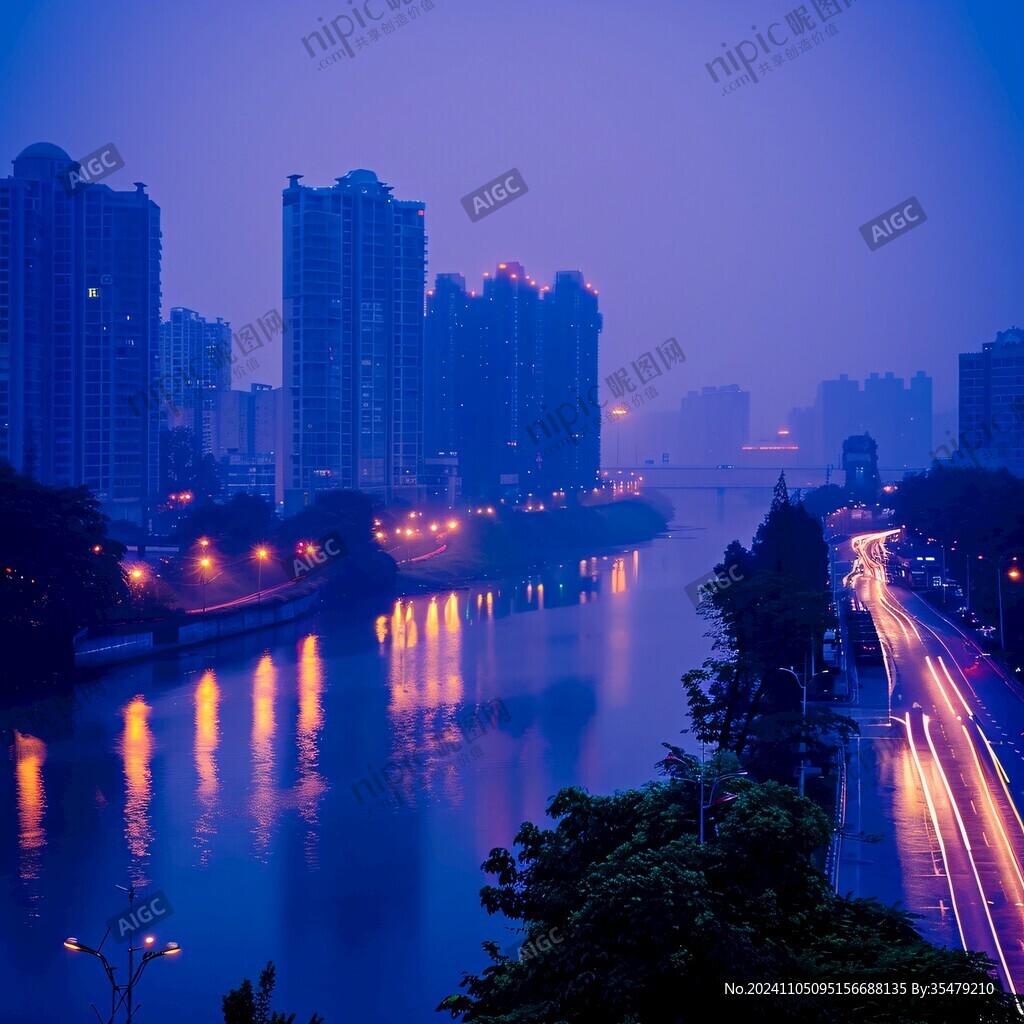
x=195, y=363
x=499, y=365
x=860, y=460
x=992, y=405
x=354, y=261
x=79, y=332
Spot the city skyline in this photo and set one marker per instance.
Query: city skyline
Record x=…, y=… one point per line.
x=474, y=473
x=820, y=270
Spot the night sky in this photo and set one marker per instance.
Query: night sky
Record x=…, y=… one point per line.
x=730, y=222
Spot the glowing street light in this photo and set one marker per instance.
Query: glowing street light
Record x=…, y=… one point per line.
x=1014, y=574
x=261, y=556
x=121, y=995
x=204, y=564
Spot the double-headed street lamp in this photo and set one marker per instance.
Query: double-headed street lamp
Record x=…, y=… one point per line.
x=711, y=797
x=121, y=995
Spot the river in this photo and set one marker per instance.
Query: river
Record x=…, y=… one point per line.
x=323, y=796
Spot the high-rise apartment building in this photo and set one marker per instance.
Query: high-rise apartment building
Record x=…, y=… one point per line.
x=195, y=364
x=245, y=432
x=354, y=261
x=79, y=328
x=715, y=425
x=897, y=415
x=992, y=404
x=504, y=372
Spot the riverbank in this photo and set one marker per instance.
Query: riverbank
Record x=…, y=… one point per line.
x=521, y=541
x=512, y=542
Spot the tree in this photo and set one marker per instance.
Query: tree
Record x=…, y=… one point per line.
x=771, y=615
x=653, y=924
x=59, y=571
x=237, y=525
x=825, y=499
x=244, y=1006
x=186, y=468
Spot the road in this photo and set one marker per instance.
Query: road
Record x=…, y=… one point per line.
x=956, y=710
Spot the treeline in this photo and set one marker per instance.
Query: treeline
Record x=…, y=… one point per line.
x=59, y=572
x=654, y=923
x=977, y=515
x=515, y=540
x=770, y=618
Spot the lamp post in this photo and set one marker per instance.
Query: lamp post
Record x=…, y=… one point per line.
x=711, y=797
x=122, y=995
x=204, y=564
x=1014, y=574
x=803, y=725
x=261, y=557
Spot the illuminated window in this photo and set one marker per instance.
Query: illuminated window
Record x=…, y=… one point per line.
x=94, y=293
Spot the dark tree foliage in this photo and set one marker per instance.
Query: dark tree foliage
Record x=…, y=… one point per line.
x=981, y=511
x=185, y=468
x=58, y=569
x=653, y=924
x=238, y=525
x=242, y=1005
x=769, y=618
x=824, y=500
x=977, y=515
x=351, y=513
x=365, y=570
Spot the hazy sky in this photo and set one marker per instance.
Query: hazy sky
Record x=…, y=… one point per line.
x=730, y=222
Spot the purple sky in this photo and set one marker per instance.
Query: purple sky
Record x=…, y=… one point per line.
x=730, y=222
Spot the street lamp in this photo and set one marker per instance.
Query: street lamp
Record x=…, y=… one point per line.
x=803, y=725
x=711, y=797
x=125, y=992
x=1014, y=575
x=261, y=557
x=204, y=564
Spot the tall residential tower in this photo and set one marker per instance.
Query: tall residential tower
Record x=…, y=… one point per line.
x=354, y=264
x=79, y=328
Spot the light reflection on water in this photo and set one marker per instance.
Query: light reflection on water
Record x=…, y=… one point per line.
x=136, y=752
x=228, y=781
x=207, y=702
x=30, y=756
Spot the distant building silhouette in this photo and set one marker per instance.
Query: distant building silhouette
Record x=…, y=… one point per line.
x=195, y=364
x=245, y=439
x=500, y=368
x=354, y=262
x=715, y=425
x=991, y=405
x=79, y=326
x=897, y=415
x=860, y=462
